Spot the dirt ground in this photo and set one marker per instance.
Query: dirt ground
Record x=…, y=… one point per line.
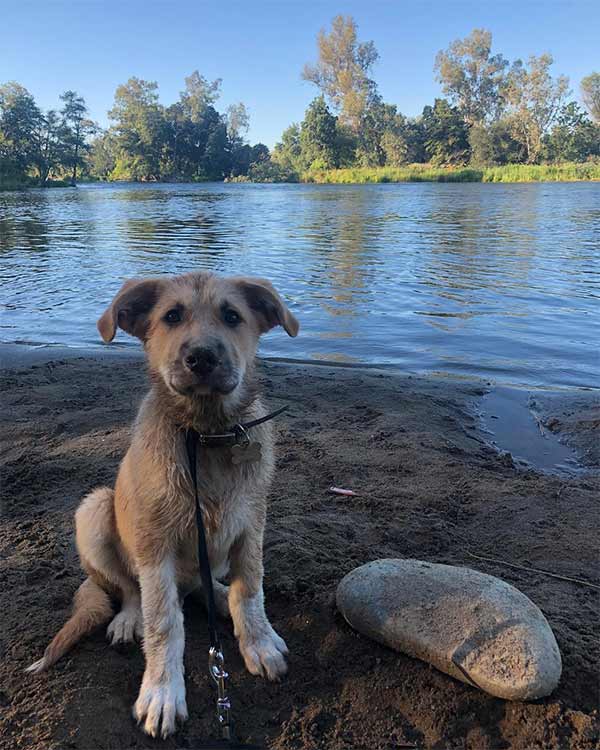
x=430, y=488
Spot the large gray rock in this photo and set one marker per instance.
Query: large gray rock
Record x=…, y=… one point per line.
x=472, y=626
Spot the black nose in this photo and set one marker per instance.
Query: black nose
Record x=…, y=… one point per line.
x=201, y=361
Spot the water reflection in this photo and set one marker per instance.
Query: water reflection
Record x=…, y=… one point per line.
x=496, y=280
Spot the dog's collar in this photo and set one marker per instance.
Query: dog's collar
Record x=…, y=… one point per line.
x=237, y=435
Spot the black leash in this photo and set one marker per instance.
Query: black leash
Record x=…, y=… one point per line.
x=238, y=437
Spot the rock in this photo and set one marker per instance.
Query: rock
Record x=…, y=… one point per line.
x=472, y=626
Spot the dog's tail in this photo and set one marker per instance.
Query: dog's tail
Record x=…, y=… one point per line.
x=91, y=607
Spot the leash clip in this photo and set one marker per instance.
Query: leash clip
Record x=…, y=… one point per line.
x=216, y=669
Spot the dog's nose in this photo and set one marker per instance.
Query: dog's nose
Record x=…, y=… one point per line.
x=201, y=361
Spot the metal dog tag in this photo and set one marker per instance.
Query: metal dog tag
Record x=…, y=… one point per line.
x=246, y=453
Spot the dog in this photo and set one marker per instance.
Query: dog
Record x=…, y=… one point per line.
x=138, y=543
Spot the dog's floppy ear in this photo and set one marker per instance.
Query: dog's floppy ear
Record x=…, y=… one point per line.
x=130, y=308
x=267, y=305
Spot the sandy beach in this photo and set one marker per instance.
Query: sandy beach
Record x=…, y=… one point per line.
x=429, y=487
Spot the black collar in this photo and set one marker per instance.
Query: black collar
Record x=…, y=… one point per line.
x=236, y=435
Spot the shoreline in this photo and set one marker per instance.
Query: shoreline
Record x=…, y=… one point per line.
x=547, y=429
x=429, y=487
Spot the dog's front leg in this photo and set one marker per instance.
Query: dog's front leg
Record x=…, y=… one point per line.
x=263, y=650
x=162, y=695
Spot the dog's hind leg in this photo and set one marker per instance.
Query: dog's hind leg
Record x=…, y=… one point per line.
x=102, y=558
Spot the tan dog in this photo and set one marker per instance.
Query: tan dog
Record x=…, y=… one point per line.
x=138, y=542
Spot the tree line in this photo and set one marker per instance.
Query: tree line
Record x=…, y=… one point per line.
x=494, y=112
x=185, y=141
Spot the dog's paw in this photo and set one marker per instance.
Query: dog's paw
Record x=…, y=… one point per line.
x=126, y=626
x=161, y=704
x=264, y=654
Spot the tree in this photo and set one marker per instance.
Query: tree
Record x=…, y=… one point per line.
x=574, y=137
x=535, y=99
x=20, y=119
x=342, y=70
x=199, y=94
x=288, y=152
x=48, y=145
x=446, y=134
x=139, y=129
x=102, y=155
x=472, y=77
x=318, y=136
x=75, y=130
x=590, y=93
x=493, y=144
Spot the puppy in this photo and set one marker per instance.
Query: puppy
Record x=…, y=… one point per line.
x=138, y=543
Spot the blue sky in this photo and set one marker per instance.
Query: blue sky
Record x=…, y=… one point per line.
x=259, y=47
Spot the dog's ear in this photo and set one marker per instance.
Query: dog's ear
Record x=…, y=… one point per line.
x=267, y=305
x=130, y=309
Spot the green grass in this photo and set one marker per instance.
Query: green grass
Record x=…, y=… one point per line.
x=568, y=172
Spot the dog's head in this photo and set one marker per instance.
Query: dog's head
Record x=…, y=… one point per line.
x=200, y=331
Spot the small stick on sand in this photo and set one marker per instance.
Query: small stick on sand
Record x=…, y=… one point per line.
x=340, y=491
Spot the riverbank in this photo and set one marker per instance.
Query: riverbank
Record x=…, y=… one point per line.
x=569, y=172
x=428, y=487
x=6, y=185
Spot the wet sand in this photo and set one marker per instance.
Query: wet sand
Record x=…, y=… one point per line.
x=430, y=487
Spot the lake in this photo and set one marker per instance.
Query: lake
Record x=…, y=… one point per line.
x=492, y=280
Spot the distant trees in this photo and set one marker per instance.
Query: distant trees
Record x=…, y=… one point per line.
x=39, y=145
x=76, y=129
x=494, y=112
x=472, y=77
x=187, y=140
x=342, y=70
x=590, y=93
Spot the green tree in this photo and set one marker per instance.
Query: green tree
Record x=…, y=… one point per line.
x=342, y=70
x=318, y=136
x=574, y=137
x=446, y=134
x=139, y=129
x=472, y=77
x=535, y=99
x=48, y=145
x=287, y=153
x=199, y=93
x=20, y=120
x=493, y=144
x=590, y=93
x=101, y=157
x=76, y=128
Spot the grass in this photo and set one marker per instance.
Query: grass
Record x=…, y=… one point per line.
x=568, y=172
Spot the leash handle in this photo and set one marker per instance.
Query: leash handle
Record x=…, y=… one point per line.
x=216, y=660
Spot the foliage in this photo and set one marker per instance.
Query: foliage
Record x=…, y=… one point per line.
x=318, y=135
x=535, y=99
x=472, y=77
x=76, y=128
x=446, y=134
x=574, y=137
x=342, y=70
x=590, y=93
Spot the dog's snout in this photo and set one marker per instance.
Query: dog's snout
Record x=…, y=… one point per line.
x=201, y=361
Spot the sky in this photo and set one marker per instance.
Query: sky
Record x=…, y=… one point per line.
x=259, y=47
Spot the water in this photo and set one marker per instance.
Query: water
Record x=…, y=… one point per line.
x=497, y=281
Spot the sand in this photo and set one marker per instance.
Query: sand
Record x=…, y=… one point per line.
x=430, y=487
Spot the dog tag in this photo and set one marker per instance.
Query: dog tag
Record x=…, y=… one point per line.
x=246, y=453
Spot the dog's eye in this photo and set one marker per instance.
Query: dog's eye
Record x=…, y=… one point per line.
x=173, y=316
x=231, y=317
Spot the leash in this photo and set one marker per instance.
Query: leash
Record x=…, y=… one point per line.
x=238, y=438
